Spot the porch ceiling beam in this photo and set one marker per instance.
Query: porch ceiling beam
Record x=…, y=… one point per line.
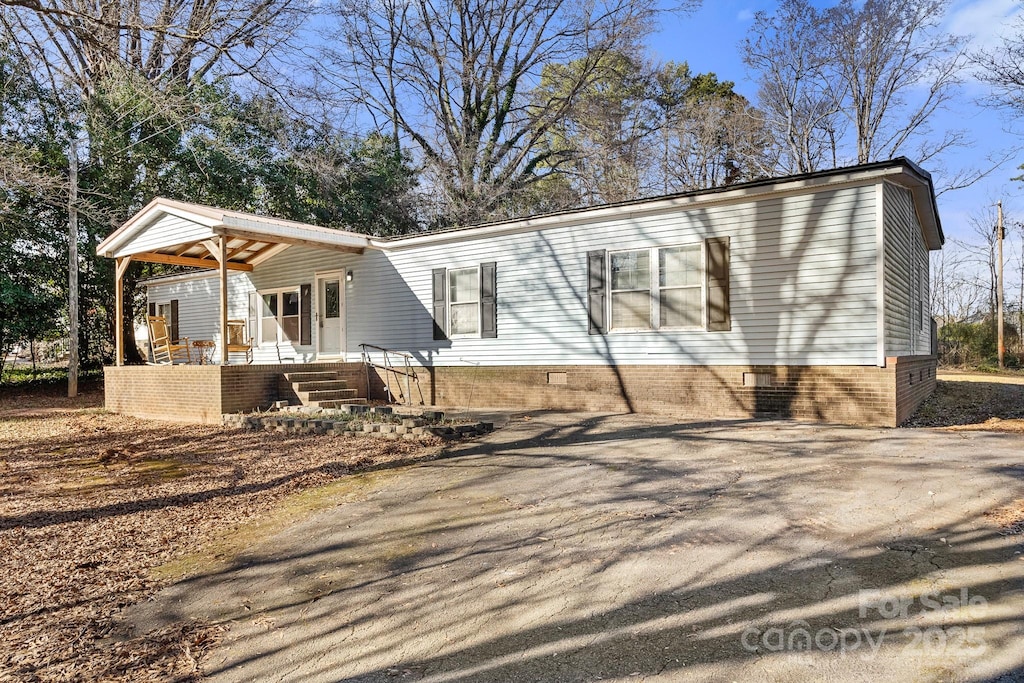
x=263, y=250
x=152, y=257
x=214, y=247
x=183, y=248
x=249, y=235
x=239, y=249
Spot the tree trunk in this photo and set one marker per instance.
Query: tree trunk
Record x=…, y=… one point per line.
x=73, y=270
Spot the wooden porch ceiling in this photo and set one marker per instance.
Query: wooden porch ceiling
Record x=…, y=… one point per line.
x=245, y=249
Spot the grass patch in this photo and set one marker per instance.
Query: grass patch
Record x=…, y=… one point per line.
x=226, y=548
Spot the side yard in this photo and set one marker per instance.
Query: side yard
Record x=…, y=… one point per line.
x=91, y=503
x=965, y=400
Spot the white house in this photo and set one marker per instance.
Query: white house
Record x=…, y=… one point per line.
x=804, y=296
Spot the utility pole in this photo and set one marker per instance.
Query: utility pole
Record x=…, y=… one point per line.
x=999, y=285
x=73, y=269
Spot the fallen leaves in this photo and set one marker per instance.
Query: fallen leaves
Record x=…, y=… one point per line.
x=1009, y=518
x=90, y=502
x=971, y=405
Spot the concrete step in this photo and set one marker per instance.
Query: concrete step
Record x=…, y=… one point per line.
x=336, y=394
x=338, y=403
x=320, y=385
x=310, y=376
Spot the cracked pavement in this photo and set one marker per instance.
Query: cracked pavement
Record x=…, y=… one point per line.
x=578, y=547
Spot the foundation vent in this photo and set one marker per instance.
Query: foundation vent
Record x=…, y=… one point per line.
x=757, y=379
x=558, y=378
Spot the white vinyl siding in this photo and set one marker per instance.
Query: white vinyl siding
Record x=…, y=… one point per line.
x=907, y=307
x=198, y=305
x=166, y=230
x=802, y=289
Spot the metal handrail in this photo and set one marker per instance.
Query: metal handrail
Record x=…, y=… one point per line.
x=408, y=372
x=381, y=348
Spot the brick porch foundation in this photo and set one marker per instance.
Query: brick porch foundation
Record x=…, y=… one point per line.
x=202, y=393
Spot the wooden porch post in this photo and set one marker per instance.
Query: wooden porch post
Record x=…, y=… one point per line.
x=222, y=258
x=120, y=267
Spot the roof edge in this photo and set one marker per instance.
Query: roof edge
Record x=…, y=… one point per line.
x=845, y=175
x=215, y=218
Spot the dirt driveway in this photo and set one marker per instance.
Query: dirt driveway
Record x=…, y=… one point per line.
x=568, y=547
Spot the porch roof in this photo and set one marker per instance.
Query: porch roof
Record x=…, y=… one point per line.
x=180, y=233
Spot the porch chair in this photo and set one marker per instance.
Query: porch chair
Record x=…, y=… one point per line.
x=238, y=342
x=165, y=349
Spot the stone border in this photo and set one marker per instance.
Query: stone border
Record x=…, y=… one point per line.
x=379, y=422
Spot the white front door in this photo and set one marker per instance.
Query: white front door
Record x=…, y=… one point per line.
x=330, y=294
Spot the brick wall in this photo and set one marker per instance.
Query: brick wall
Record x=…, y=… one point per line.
x=915, y=381
x=183, y=393
x=861, y=395
x=202, y=393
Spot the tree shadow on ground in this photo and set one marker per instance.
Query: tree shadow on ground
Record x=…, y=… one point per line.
x=577, y=554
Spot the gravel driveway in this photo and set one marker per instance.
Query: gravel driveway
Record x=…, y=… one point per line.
x=580, y=547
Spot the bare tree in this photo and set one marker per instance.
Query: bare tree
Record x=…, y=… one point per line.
x=957, y=293
x=1002, y=67
x=165, y=41
x=606, y=134
x=715, y=141
x=455, y=79
x=798, y=92
x=884, y=67
x=897, y=68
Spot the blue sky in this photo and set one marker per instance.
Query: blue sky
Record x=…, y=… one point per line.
x=709, y=41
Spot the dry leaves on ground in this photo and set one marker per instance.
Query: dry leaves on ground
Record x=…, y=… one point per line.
x=1009, y=518
x=90, y=502
x=973, y=404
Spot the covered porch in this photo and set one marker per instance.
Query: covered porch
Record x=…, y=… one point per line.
x=212, y=241
x=223, y=254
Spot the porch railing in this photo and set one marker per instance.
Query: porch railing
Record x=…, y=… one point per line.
x=403, y=370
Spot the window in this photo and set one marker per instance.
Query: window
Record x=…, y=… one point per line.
x=164, y=310
x=464, y=301
x=279, y=317
x=680, y=287
x=631, y=290
x=168, y=310
x=671, y=296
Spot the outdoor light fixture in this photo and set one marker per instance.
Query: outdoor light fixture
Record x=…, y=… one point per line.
x=348, y=276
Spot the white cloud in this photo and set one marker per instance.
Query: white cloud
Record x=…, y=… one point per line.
x=987, y=21
x=745, y=14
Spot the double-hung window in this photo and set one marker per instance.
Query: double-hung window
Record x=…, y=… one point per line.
x=680, y=287
x=464, y=302
x=670, y=295
x=631, y=290
x=279, y=317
